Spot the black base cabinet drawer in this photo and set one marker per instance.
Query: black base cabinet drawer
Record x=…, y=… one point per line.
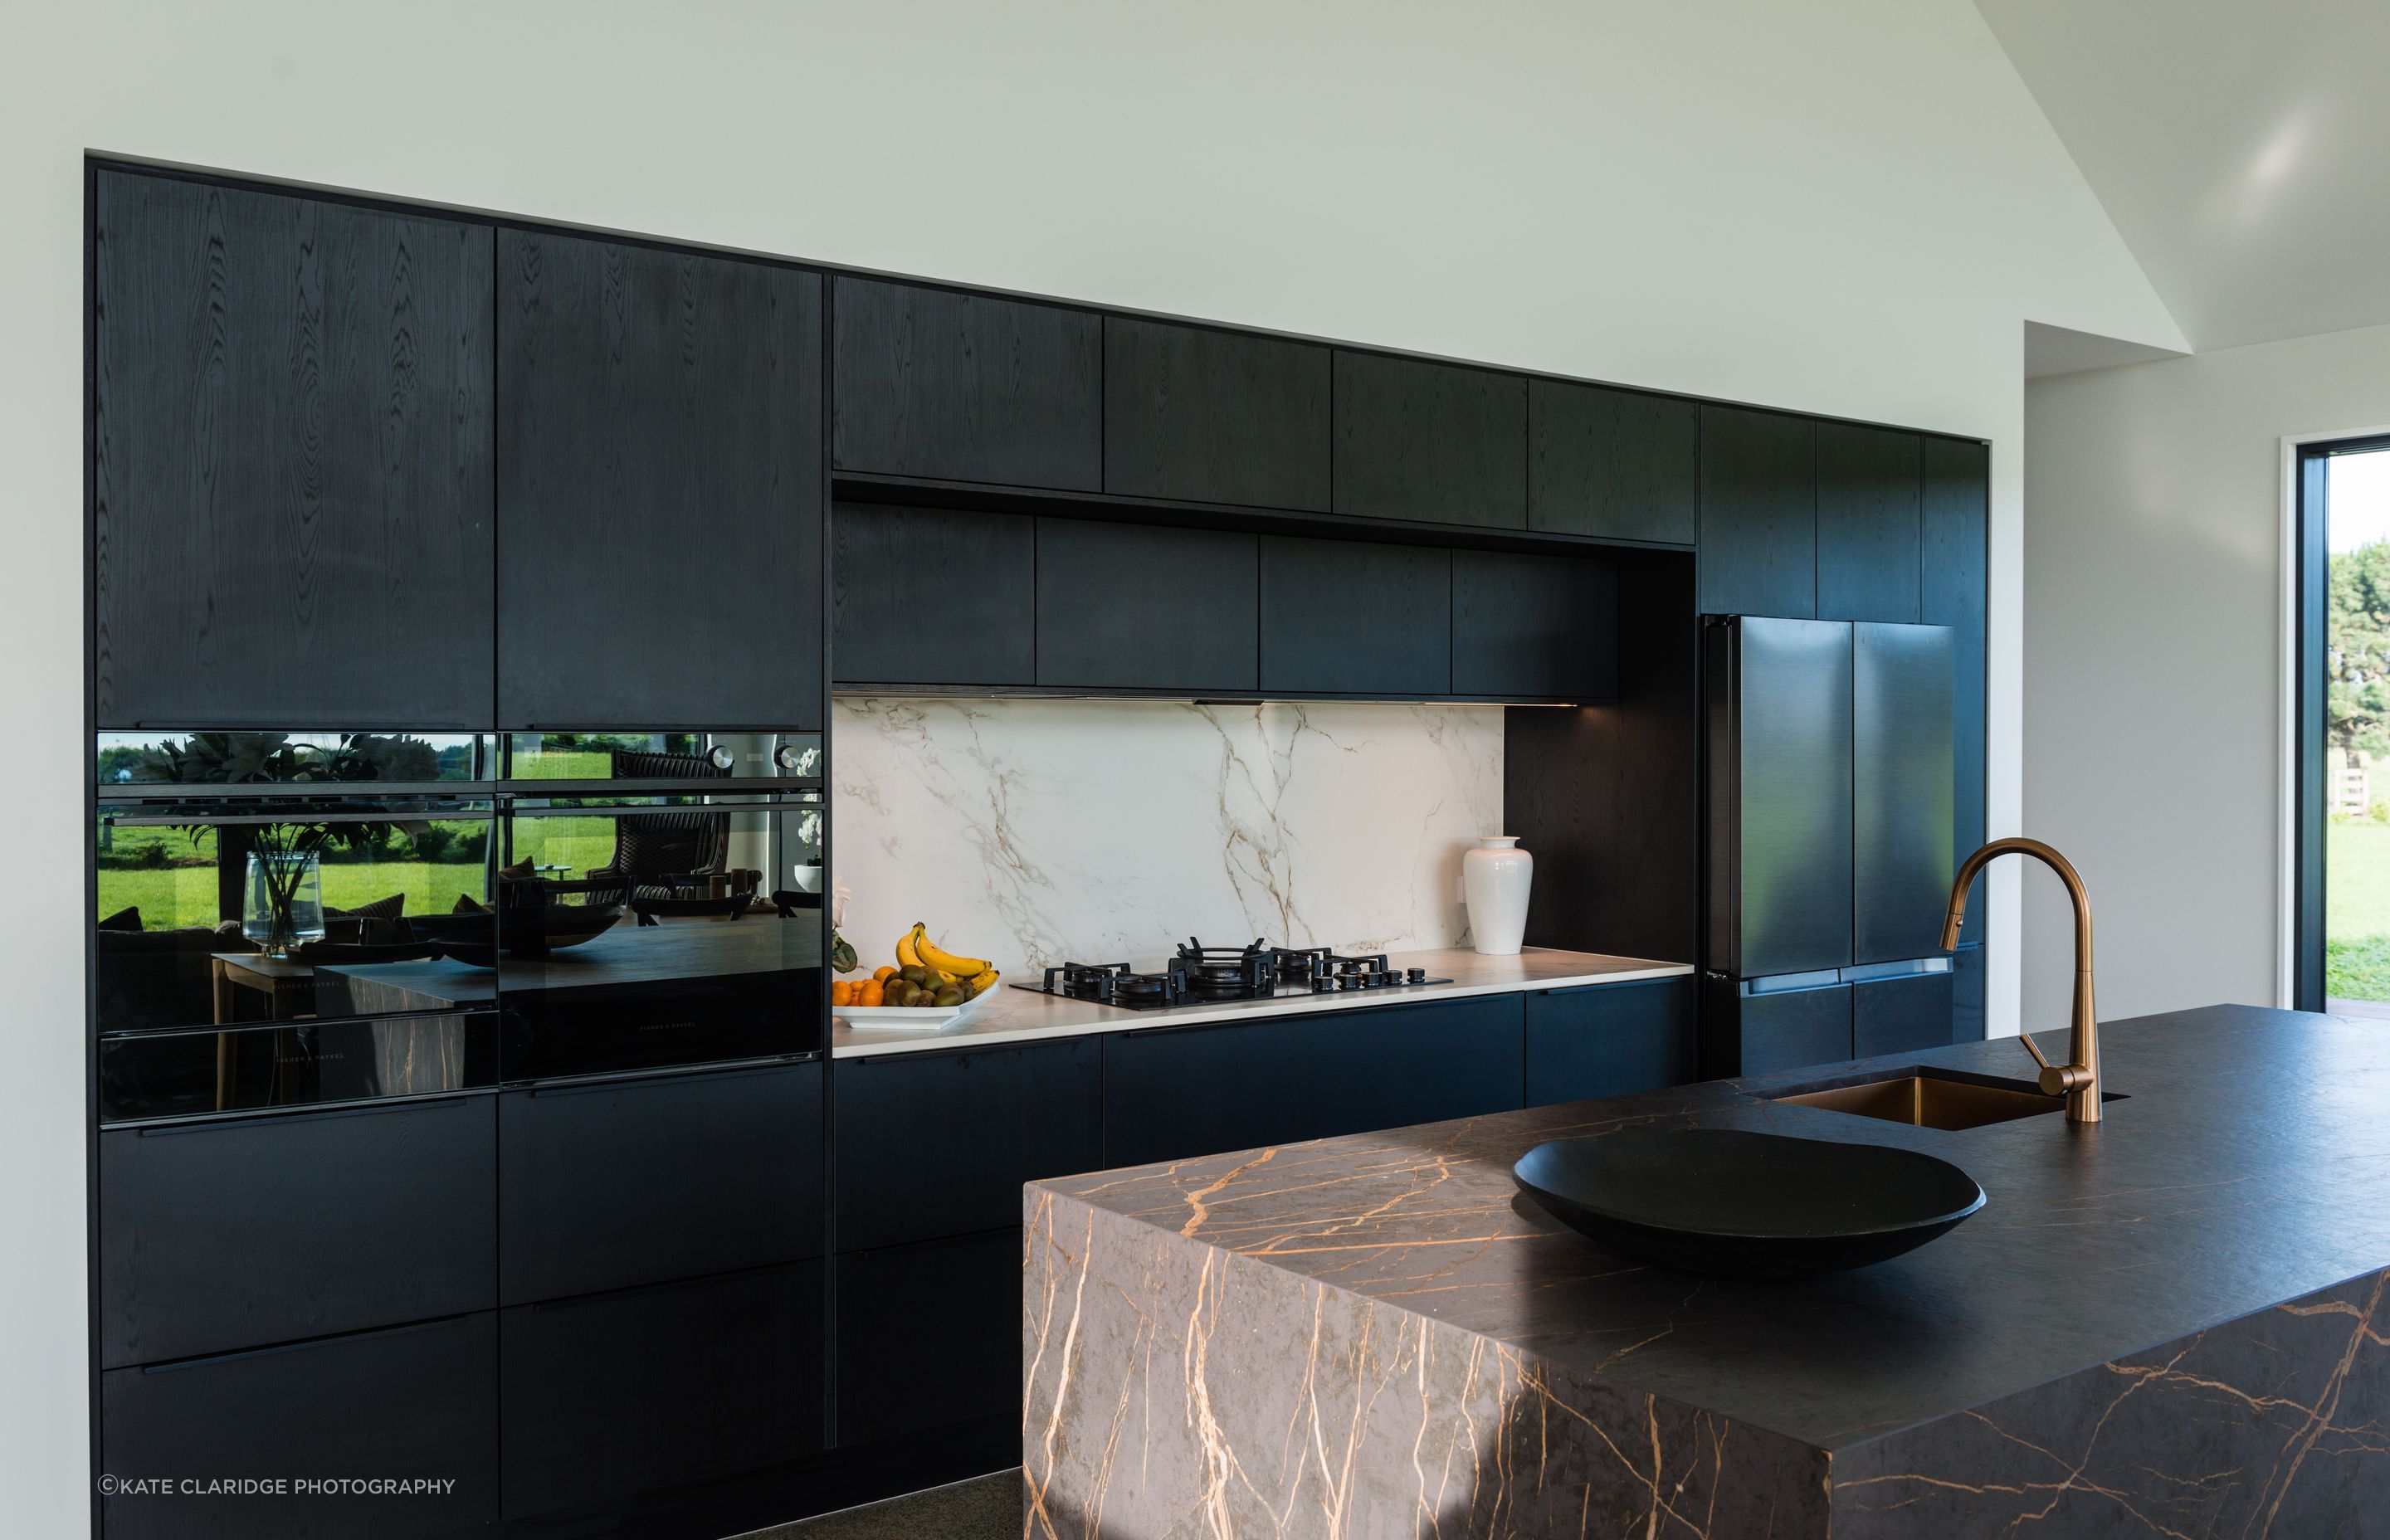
x=1758, y=1035
x=633, y=1392
x=1610, y=1040
x=938, y=1144
x=221, y=1235
x=928, y=1335
x=1200, y=1090
x=621, y=1183
x=1900, y=1015
x=415, y=1403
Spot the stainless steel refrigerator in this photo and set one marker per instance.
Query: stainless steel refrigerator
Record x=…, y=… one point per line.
x=1828, y=845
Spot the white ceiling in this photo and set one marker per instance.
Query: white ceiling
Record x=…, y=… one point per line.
x=2242, y=148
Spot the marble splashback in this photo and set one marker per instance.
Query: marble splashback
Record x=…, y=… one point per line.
x=1033, y=831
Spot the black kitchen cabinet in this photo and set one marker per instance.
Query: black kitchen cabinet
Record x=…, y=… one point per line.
x=616, y=1183
x=1784, y=1027
x=966, y=387
x=1956, y=524
x=1608, y=1040
x=1542, y=627
x=1617, y=465
x=1867, y=523
x=1901, y=863
x=1967, y=993
x=929, y=1334
x=932, y=596
x=1759, y=517
x=1436, y=443
x=290, y=461
x=659, y=488
x=1214, y=416
x=1347, y=617
x=216, y=1236
x=1900, y=1015
x=1145, y=607
x=615, y=1394
x=1187, y=1091
x=939, y=1144
x=416, y=1401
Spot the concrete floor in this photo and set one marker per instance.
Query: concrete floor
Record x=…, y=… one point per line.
x=985, y=1507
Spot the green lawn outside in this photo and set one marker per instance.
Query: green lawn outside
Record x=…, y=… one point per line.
x=2357, y=910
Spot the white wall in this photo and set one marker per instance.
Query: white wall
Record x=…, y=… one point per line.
x=2153, y=622
x=1845, y=206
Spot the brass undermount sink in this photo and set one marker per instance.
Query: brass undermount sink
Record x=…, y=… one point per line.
x=1932, y=1098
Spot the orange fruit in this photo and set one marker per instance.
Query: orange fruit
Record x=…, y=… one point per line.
x=872, y=993
x=882, y=973
x=842, y=993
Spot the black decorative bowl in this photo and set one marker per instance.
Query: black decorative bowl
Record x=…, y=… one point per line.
x=522, y=932
x=1740, y=1205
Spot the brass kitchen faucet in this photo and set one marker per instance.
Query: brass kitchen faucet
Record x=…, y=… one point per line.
x=2079, y=1081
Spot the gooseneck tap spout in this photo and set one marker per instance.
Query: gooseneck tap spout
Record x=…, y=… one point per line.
x=2078, y=1082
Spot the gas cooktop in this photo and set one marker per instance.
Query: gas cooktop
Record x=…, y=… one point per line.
x=1197, y=974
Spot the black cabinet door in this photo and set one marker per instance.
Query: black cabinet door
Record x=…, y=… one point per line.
x=1900, y=790
x=659, y=488
x=1436, y=442
x=1780, y=792
x=929, y=1334
x=1791, y=1029
x=1758, y=548
x=1955, y=522
x=1900, y=1015
x=1340, y=616
x=1867, y=531
x=1214, y=416
x=1617, y=464
x=938, y=1144
x=417, y=1401
x=1145, y=606
x=609, y=1396
x=967, y=387
x=1541, y=626
x=1203, y=1090
x=618, y=1183
x=1609, y=1040
x=1967, y=995
x=933, y=597
x=230, y=1235
x=291, y=469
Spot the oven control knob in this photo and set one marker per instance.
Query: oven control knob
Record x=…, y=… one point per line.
x=721, y=758
x=788, y=756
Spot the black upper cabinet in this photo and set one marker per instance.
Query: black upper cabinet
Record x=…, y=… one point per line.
x=1436, y=442
x=1868, y=492
x=1214, y=416
x=1615, y=464
x=979, y=571
x=1955, y=522
x=1145, y=606
x=291, y=462
x=1758, y=523
x=659, y=488
x=1344, y=616
x=1543, y=628
x=967, y=387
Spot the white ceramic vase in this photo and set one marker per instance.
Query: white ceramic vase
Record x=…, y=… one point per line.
x=1495, y=878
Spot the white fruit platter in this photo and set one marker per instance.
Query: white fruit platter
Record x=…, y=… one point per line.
x=910, y=1016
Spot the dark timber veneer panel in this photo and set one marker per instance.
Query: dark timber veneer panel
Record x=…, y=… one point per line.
x=1759, y=514
x=1617, y=464
x=290, y=461
x=1867, y=490
x=1214, y=416
x=1344, y=615
x=979, y=569
x=1543, y=628
x=1436, y=442
x=1145, y=606
x=659, y=488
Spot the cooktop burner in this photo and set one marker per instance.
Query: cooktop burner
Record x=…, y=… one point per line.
x=1197, y=974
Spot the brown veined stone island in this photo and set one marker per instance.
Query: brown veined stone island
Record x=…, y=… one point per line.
x=2171, y=1324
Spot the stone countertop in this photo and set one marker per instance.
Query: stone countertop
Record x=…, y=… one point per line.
x=1026, y=1015
x=2211, y=1257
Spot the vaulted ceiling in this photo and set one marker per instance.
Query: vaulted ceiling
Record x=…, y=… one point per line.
x=2242, y=146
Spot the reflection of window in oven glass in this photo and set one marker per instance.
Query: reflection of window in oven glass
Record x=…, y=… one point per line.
x=174, y=877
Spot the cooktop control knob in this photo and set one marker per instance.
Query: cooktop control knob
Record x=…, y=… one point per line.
x=1418, y=975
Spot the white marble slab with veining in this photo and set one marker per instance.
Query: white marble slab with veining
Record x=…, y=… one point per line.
x=1025, y=1016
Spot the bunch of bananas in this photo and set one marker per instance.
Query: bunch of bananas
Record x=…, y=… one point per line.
x=925, y=974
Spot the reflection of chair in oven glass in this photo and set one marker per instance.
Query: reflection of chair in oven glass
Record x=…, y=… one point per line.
x=676, y=864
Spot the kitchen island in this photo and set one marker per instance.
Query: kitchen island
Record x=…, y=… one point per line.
x=2169, y=1323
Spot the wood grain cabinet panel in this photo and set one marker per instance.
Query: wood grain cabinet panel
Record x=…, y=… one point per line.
x=980, y=573
x=1436, y=442
x=1956, y=521
x=967, y=387
x=1758, y=550
x=1618, y=465
x=659, y=488
x=291, y=451
x=1610, y=1040
x=1214, y=416
x=1541, y=627
x=1342, y=616
x=1145, y=607
x=1868, y=492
